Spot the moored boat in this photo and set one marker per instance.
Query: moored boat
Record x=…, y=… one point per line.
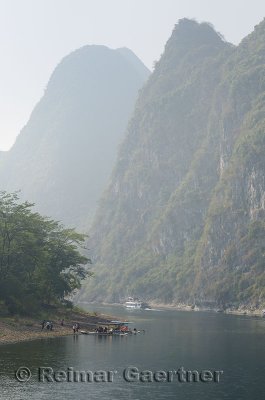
x=119, y=328
x=133, y=303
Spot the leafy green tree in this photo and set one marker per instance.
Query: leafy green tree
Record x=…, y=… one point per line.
x=41, y=262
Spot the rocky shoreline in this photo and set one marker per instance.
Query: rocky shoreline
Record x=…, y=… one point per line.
x=18, y=329
x=243, y=310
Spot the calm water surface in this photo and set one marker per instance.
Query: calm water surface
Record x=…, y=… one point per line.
x=172, y=339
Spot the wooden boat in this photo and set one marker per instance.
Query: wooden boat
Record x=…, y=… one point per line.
x=104, y=333
x=112, y=328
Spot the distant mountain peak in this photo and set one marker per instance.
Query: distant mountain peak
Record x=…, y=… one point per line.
x=193, y=39
x=69, y=144
x=190, y=35
x=195, y=33
x=94, y=60
x=130, y=56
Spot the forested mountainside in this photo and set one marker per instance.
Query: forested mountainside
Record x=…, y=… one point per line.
x=63, y=157
x=183, y=218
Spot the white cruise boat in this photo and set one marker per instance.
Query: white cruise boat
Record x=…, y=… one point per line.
x=133, y=303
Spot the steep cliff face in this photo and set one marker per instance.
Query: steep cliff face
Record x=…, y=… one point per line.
x=63, y=157
x=2, y=155
x=187, y=191
x=231, y=254
x=209, y=223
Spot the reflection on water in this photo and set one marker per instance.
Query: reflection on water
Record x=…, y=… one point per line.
x=173, y=339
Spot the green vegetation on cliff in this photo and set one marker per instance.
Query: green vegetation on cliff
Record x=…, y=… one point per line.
x=183, y=217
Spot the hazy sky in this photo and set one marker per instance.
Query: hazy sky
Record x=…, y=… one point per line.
x=36, y=34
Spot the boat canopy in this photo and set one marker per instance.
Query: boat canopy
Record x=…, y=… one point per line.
x=118, y=323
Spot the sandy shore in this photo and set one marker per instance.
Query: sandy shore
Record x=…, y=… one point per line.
x=13, y=330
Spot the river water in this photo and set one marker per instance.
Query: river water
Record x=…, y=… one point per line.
x=210, y=345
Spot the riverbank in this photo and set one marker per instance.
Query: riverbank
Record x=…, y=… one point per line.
x=19, y=329
x=242, y=310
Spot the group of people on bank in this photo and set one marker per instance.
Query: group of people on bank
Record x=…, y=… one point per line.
x=47, y=325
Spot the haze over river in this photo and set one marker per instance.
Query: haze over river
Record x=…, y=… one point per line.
x=173, y=342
